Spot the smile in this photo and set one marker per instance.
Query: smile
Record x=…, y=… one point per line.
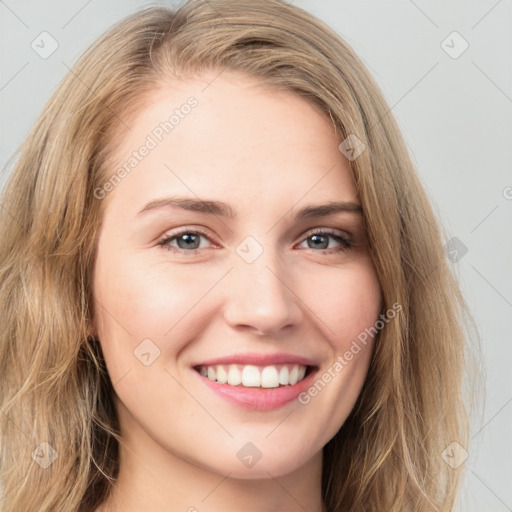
x=257, y=388
x=252, y=376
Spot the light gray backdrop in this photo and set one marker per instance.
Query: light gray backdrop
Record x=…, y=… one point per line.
x=445, y=68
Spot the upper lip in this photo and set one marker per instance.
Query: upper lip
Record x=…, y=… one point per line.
x=259, y=359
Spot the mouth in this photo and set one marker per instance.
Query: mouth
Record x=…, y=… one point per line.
x=255, y=376
x=257, y=388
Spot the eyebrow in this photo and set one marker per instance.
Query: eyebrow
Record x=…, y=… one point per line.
x=222, y=209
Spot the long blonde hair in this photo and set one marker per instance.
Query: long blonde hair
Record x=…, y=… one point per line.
x=55, y=389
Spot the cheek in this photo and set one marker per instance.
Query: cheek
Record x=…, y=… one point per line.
x=147, y=309
x=346, y=301
x=349, y=305
x=149, y=301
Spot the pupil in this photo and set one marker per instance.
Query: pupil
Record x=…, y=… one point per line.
x=187, y=237
x=316, y=237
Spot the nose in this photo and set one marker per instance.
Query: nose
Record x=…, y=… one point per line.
x=260, y=296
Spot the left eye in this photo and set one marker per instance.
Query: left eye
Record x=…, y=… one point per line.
x=190, y=241
x=316, y=238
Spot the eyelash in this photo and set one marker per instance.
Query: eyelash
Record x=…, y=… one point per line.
x=345, y=243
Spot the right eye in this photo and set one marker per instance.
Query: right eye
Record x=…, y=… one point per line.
x=189, y=239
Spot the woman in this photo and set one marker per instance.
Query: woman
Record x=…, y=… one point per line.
x=176, y=335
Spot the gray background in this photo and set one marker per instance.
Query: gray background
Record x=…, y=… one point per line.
x=455, y=114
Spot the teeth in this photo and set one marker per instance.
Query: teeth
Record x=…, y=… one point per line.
x=234, y=376
x=222, y=376
x=254, y=376
x=294, y=375
x=251, y=376
x=284, y=376
x=269, y=377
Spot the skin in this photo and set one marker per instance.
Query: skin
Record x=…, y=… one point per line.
x=267, y=154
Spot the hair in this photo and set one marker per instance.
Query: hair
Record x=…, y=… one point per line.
x=55, y=387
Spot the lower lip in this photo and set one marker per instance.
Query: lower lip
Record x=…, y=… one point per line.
x=259, y=399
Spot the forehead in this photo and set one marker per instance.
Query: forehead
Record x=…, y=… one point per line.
x=231, y=137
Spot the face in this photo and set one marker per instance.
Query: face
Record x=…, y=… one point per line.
x=247, y=289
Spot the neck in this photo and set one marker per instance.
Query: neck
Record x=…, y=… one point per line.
x=197, y=489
